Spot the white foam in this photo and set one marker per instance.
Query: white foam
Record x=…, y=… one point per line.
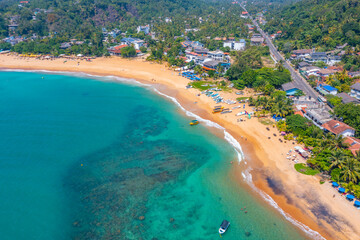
x=311, y=233
x=227, y=136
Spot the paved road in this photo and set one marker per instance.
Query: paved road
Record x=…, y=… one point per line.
x=299, y=82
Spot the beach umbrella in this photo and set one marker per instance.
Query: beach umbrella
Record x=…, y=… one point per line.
x=350, y=197
x=357, y=204
x=335, y=184
x=341, y=190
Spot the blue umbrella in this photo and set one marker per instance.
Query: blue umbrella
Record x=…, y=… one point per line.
x=350, y=197
x=357, y=204
x=335, y=184
x=341, y=190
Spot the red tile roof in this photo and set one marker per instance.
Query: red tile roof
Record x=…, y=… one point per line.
x=354, y=144
x=299, y=113
x=120, y=47
x=336, y=127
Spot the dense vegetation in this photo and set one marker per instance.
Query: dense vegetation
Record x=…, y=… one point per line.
x=330, y=153
x=248, y=71
x=350, y=114
x=317, y=23
x=84, y=20
x=274, y=103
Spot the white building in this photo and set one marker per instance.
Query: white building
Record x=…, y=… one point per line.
x=217, y=55
x=355, y=91
x=144, y=29
x=339, y=128
x=235, y=45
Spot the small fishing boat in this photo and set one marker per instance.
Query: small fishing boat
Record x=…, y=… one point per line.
x=224, y=226
x=194, y=122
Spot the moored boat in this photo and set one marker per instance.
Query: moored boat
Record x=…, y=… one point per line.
x=224, y=226
x=194, y=122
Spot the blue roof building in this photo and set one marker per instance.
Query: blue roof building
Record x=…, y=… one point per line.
x=328, y=89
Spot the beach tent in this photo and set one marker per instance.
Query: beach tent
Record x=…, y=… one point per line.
x=335, y=184
x=80, y=55
x=350, y=197
x=357, y=204
x=341, y=190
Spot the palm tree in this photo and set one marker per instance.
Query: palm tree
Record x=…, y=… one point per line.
x=351, y=170
x=337, y=158
x=340, y=142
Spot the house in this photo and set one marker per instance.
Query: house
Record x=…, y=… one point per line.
x=239, y=45
x=332, y=60
x=192, y=44
x=201, y=50
x=244, y=14
x=318, y=57
x=346, y=98
x=355, y=91
x=310, y=70
x=65, y=45
x=301, y=53
x=354, y=74
x=144, y=29
x=290, y=88
x=211, y=65
x=117, y=49
x=326, y=72
x=235, y=45
x=339, y=128
x=328, y=89
x=256, y=41
x=217, y=55
x=319, y=115
x=199, y=60
x=135, y=42
x=354, y=144
x=303, y=64
x=228, y=44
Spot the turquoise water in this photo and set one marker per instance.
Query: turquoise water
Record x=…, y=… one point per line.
x=89, y=159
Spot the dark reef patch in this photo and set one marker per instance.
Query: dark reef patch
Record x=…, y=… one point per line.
x=114, y=183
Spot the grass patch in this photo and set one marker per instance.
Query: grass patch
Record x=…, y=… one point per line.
x=265, y=121
x=241, y=98
x=302, y=168
x=205, y=85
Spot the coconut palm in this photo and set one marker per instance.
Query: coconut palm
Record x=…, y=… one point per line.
x=351, y=170
x=337, y=159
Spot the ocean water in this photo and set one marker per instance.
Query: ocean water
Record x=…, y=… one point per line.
x=85, y=158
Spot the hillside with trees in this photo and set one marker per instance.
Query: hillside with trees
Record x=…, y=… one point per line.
x=317, y=23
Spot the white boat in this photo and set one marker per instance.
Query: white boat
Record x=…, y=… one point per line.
x=224, y=226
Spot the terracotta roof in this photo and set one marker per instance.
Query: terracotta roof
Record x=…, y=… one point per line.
x=336, y=127
x=354, y=144
x=120, y=47
x=299, y=113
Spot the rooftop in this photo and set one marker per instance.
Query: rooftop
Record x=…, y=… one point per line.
x=346, y=98
x=303, y=51
x=329, y=88
x=336, y=127
x=356, y=86
x=354, y=144
x=320, y=114
x=288, y=86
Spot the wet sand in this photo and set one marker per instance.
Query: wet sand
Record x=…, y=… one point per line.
x=300, y=196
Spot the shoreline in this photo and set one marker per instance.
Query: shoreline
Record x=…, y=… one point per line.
x=273, y=174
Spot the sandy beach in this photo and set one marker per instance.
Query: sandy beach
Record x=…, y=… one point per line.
x=302, y=197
